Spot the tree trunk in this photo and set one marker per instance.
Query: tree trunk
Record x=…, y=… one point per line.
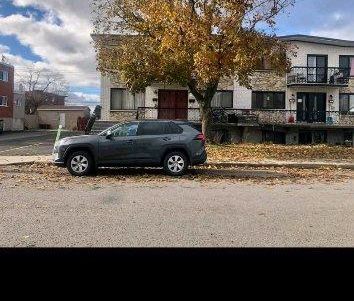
x=204, y=102
x=206, y=114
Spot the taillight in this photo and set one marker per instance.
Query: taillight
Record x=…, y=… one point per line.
x=200, y=137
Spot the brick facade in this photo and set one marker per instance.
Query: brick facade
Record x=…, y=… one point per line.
x=7, y=89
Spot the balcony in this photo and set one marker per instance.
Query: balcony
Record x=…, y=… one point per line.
x=316, y=76
x=259, y=117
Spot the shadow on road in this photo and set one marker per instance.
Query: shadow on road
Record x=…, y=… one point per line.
x=192, y=173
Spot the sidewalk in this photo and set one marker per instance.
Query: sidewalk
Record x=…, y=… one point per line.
x=19, y=160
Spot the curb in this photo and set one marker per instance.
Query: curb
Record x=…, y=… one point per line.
x=20, y=163
x=294, y=165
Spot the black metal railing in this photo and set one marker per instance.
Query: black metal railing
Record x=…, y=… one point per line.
x=251, y=116
x=318, y=75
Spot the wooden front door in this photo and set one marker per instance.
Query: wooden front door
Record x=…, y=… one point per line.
x=173, y=104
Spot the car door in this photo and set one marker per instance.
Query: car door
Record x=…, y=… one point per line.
x=118, y=147
x=153, y=139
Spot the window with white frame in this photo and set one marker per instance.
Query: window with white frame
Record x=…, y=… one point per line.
x=223, y=99
x=4, y=76
x=122, y=99
x=3, y=101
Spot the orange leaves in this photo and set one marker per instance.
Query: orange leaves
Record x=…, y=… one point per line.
x=48, y=177
x=209, y=39
x=259, y=152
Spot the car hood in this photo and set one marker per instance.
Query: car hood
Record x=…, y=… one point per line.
x=79, y=139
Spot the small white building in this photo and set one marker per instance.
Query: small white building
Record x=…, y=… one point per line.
x=311, y=104
x=18, y=121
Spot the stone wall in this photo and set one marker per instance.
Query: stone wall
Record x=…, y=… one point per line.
x=346, y=120
x=349, y=89
x=268, y=81
x=123, y=116
x=272, y=117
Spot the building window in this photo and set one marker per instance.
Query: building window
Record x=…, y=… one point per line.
x=3, y=101
x=4, y=76
x=346, y=62
x=346, y=102
x=122, y=99
x=268, y=100
x=223, y=99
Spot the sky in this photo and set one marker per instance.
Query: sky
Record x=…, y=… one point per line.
x=55, y=34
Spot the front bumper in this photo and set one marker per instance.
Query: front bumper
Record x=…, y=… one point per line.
x=58, y=158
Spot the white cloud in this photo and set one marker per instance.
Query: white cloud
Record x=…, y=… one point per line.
x=345, y=32
x=79, y=98
x=74, y=98
x=4, y=49
x=64, y=46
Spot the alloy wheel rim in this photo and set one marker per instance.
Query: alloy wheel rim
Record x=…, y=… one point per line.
x=175, y=164
x=79, y=164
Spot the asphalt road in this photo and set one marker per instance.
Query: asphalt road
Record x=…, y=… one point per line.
x=183, y=214
x=29, y=143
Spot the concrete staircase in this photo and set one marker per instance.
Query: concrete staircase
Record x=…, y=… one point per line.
x=101, y=125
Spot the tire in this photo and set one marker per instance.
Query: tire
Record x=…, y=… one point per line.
x=175, y=164
x=80, y=164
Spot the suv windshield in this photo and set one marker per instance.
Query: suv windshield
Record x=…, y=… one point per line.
x=122, y=130
x=104, y=133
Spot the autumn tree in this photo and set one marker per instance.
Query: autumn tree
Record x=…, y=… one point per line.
x=37, y=82
x=193, y=43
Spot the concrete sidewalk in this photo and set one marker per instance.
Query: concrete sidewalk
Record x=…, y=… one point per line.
x=19, y=160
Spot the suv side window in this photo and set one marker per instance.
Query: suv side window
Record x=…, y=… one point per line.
x=172, y=128
x=126, y=130
x=151, y=128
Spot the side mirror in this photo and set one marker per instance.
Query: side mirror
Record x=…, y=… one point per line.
x=109, y=135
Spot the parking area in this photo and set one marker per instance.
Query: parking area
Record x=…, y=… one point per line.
x=32, y=143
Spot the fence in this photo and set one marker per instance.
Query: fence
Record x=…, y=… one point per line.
x=250, y=116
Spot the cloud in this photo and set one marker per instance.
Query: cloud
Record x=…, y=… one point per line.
x=74, y=98
x=4, y=49
x=80, y=97
x=61, y=38
x=339, y=25
x=83, y=99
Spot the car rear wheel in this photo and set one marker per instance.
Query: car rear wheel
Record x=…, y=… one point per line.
x=80, y=163
x=176, y=164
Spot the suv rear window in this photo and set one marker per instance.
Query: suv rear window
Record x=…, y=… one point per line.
x=151, y=128
x=158, y=128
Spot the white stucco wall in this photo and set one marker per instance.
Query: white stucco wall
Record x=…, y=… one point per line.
x=333, y=53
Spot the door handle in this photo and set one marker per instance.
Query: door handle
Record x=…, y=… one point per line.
x=166, y=139
x=130, y=142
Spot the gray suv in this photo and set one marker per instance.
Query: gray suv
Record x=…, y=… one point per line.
x=173, y=145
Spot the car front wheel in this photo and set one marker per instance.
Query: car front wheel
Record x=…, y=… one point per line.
x=176, y=164
x=80, y=163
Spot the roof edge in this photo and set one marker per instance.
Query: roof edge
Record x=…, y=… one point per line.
x=317, y=40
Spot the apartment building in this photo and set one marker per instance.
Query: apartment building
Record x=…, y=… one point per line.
x=6, y=96
x=313, y=103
